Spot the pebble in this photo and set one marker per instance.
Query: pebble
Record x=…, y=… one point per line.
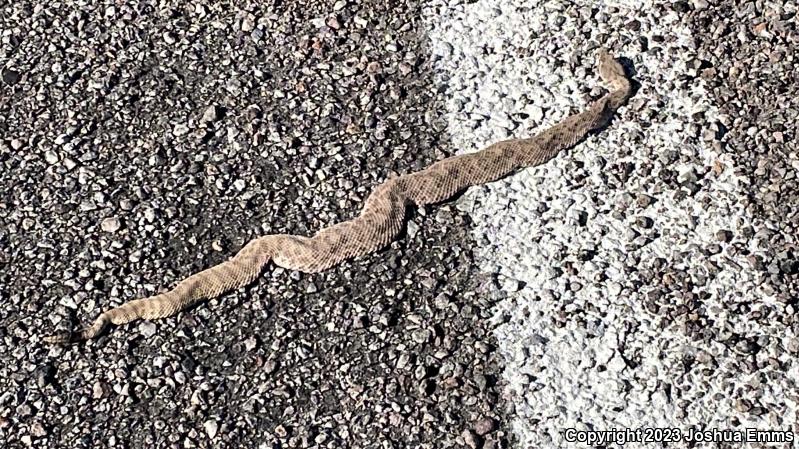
x=180, y=129
x=112, y=224
x=250, y=343
x=412, y=228
x=100, y=390
x=484, y=426
x=211, y=114
x=51, y=157
x=420, y=336
x=470, y=439
x=11, y=77
x=510, y=285
x=147, y=329
x=211, y=428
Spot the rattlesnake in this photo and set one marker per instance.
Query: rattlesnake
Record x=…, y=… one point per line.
x=380, y=220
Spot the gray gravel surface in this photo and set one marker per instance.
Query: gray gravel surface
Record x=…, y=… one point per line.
x=649, y=277
x=144, y=141
x=650, y=272
x=748, y=58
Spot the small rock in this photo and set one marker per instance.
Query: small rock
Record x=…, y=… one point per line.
x=413, y=229
x=250, y=343
x=111, y=224
x=724, y=235
x=644, y=200
x=11, y=77
x=61, y=139
x=405, y=68
x=743, y=405
x=420, y=336
x=481, y=381
x=180, y=377
x=211, y=114
x=147, y=329
x=747, y=346
x=281, y=431
x=51, y=157
x=169, y=38
x=442, y=301
x=333, y=22
x=38, y=430
x=688, y=176
x=470, y=439
x=211, y=427
x=248, y=24
x=420, y=372
x=644, y=222
x=181, y=129
x=633, y=25
x=100, y=389
x=484, y=426
x=69, y=164
x=509, y=284
x=149, y=214
x=126, y=204
x=537, y=114
x=44, y=376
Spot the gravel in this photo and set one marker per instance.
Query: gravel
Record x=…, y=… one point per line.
x=646, y=278
x=650, y=272
x=141, y=142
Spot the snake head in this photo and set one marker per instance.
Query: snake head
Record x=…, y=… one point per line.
x=610, y=70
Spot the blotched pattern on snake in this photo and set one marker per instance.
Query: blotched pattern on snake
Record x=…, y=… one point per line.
x=382, y=216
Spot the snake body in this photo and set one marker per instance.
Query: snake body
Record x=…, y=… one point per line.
x=381, y=218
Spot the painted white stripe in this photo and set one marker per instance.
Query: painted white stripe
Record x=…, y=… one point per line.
x=567, y=353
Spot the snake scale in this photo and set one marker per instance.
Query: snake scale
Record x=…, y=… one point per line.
x=381, y=218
